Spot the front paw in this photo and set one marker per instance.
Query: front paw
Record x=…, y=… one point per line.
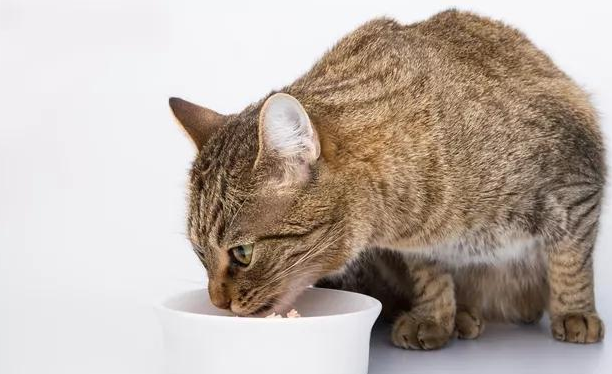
x=414, y=332
x=578, y=328
x=469, y=325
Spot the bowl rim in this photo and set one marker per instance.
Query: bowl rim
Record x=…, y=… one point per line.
x=374, y=307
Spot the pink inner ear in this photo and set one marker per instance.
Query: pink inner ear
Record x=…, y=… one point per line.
x=287, y=130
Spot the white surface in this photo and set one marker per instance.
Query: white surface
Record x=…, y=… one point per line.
x=331, y=337
x=92, y=167
x=502, y=349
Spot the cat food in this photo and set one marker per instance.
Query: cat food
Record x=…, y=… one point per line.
x=292, y=314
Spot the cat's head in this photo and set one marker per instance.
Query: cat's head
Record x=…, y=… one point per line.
x=265, y=211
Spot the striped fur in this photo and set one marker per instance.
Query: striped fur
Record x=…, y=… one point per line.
x=453, y=143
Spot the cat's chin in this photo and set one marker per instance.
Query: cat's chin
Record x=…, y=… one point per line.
x=285, y=302
x=282, y=304
x=263, y=311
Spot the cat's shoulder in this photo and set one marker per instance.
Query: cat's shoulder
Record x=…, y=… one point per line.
x=452, y=24
x=448, y=27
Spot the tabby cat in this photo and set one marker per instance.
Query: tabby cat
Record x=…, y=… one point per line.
x=454, y=143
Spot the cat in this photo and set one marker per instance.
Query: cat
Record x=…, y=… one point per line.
x=454, y=144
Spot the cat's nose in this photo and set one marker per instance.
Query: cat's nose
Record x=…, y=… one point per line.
x=219, y=296
x=237, y=308
x=221, y=302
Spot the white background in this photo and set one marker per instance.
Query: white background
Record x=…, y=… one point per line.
x=92, y=167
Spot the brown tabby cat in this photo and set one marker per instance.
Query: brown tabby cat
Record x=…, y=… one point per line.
x=454, y=142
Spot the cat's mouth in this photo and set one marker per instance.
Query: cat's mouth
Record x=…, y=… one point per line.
x=278, y=301
x=263, y=310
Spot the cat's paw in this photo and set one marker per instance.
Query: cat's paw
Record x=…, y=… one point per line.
x=411, y=332
x=577, y=328
x=469, y=325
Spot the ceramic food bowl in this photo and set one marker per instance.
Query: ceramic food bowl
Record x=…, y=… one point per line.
x=332, y=336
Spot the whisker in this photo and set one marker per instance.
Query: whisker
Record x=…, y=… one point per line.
x=246, y=198
x=314, y=250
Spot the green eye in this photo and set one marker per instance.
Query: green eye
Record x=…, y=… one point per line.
x=242, y=254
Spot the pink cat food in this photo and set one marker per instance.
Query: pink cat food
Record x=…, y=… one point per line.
x=292, y=314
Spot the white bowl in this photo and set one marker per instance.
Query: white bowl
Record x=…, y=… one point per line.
x=333, y=336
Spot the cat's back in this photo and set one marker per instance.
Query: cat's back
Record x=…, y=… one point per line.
x=459, y=81
x=473, y=44
x=452, y=53
x=451, y=37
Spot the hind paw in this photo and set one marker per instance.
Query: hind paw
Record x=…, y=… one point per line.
x=577, y=328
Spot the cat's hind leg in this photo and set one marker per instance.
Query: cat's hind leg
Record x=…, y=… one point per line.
x=570, y=268
x=572, y=301
x=514, y=292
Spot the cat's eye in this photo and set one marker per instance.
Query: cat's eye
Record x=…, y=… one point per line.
x=242, y=254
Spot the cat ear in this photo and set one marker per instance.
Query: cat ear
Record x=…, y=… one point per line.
x=286, y=131
x=199, y=123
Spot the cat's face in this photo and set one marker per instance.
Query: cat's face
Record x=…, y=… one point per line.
x=263, y=207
